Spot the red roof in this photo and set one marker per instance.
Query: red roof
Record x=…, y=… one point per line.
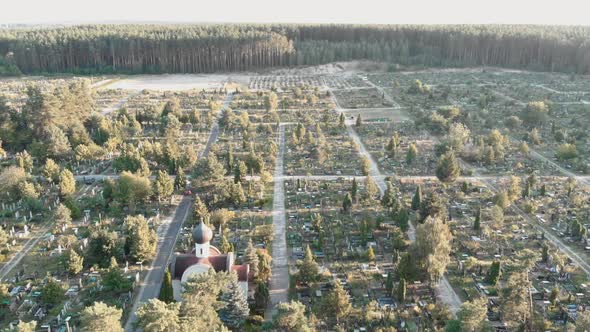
x=242, y=271
x=182, y=262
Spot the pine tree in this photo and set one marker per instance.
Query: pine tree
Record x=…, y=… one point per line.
x=180, y=181
x=261, y=294
x=101, y=318
x=341, y=121
x=225, y=246
x=392, y=145
x=336, y=303
x=411, y=154
x=447, y=169
x=545, y=253
x=477, y=222
x=240, y=172
x=229, y=160
x=359, y=121
x=51, y=171
x=346, y=203
x=308, y=268
x=354, y=189
x=370, y=188
x=389, y=199
x=403, y=219
x=163, y=185
x=370, y=254
x=62, y=216
x=251, y=258
x=75, y=263
x=166, y=291
x=417, y=199
x=141, y=240
x=494, y=273
x=389, y=283
x=236, y=310
x=67, y=183
x=201, y=210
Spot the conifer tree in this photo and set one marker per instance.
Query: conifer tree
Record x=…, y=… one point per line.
x=236, y=310
x=417, y=199
x=166, y=291
x=251, y=258
x=477, y=222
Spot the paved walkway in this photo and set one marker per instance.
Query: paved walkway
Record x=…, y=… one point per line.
x=279, y=284
x=167, y=234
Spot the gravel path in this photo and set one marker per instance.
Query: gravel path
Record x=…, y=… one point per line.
x=279, y=284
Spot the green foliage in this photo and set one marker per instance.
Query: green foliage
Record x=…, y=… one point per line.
x=494, y=273
x=159, y=316
x=141, y=241
x=448, y=169
x=62, y=217
x=566, y=151
x=180, y=181
x=103, y=245
x=417, y=199
x=114, y=280
x=251, y=258
x=166, y=291
x=235, y=310
x=290, y=316
x=101, y=318
x=308, y=268
x=135, y=45
x=347, y=203
x=477, y=222
x=163, y=186
x=75, y=262
x=336, y=304
x=52, y=292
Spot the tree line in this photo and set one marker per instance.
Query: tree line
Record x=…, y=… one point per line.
x=93, y=49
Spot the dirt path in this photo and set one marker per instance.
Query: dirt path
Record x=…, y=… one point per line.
x=279, y=284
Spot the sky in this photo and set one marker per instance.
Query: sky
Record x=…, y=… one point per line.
x=562, y=12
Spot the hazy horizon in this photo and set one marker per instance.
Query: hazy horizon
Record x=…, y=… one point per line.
x=569, y=12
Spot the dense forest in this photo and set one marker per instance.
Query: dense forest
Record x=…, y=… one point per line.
x=231, y=47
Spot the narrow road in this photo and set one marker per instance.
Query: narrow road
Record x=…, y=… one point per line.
x=167, y=234
x=150, y=287
x=279, y=284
